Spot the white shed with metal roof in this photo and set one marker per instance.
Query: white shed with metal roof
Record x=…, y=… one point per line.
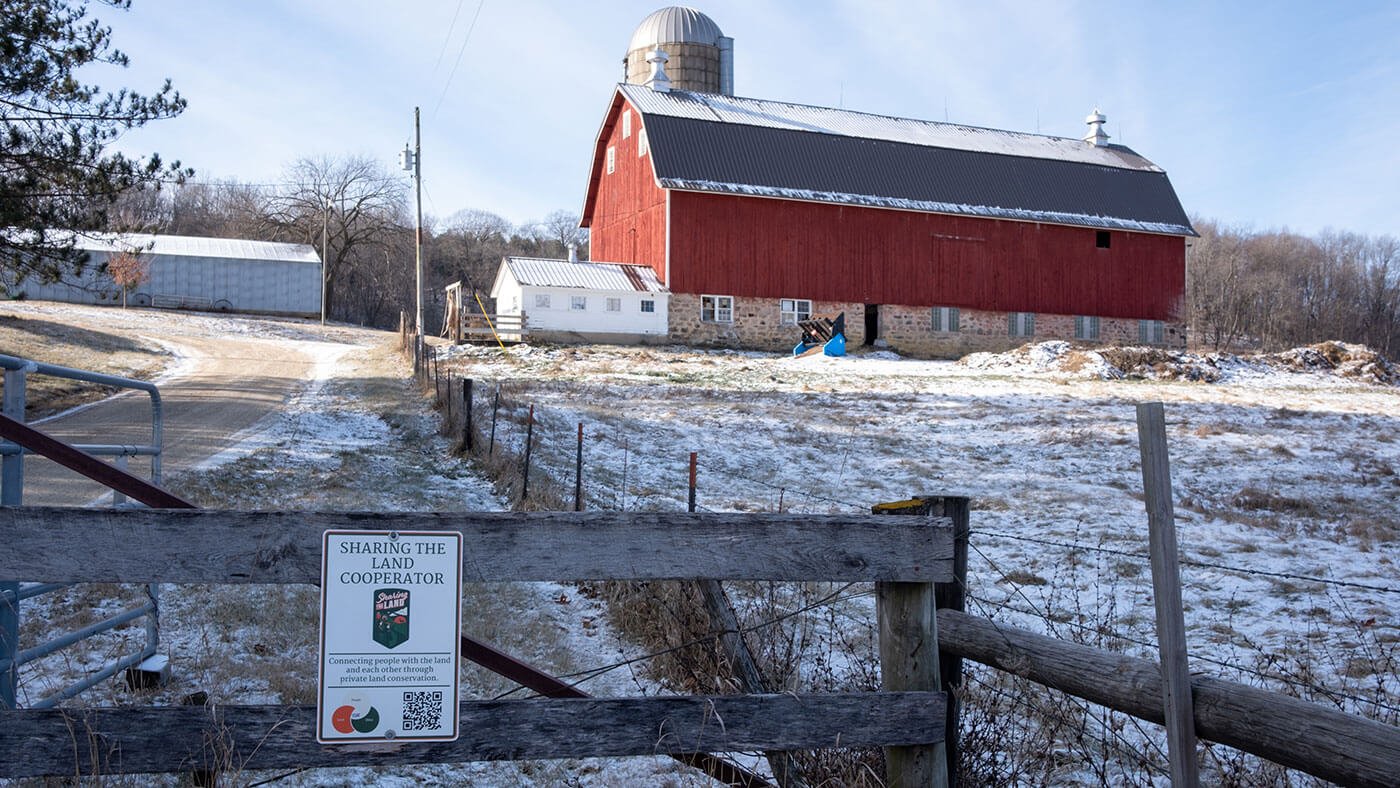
x=582, y=300
x=224, y=274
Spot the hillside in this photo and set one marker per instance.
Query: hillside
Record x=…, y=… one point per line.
x=1286, y=477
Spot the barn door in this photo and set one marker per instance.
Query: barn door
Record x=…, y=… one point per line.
x=872, y=324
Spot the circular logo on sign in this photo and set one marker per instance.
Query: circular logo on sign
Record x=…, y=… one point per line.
x=355, y=716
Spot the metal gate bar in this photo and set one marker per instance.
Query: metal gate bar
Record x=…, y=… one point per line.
x=12, y=454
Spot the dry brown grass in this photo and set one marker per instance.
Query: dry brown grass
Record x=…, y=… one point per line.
x=54, y=341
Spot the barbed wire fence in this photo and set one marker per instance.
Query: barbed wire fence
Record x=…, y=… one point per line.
x=619, y=467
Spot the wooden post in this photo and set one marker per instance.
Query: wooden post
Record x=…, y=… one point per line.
x=448, y=400
x=495, y=409
x=1166, y=594
x=529, y=438
x=467, y=407
x=578, y=472
x=952, y=596
x=909, y=660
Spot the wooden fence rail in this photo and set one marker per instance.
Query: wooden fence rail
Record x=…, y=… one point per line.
x=1321, y=741
x=232, y=739
x=201, y=546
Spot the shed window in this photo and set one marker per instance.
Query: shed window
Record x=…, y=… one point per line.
x=578, y=303
x=614, y=304
x=641, y=142
x=945, y=319
x=792, y=310
x=626, y=123
x=1102, y=239
x=648, y=306
x=542, y=301
x=1152, y=332
x=1020, y=324
x=612, y=160
x=716, y=309
x=1086, y=327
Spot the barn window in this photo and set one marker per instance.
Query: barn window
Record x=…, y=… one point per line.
x=614, y=304
x=1021, y=324
x=1086, y=327
x=1152, y=332
x=612, y=160
x=1102, y=239
x=716, y=309
x=641, y=142
x=792, y=310
x=578, y=303
x=542, y=301
x=626, y=124
x=648, y=306
x=945, y=319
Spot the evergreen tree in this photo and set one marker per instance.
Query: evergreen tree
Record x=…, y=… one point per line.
x=56, y=172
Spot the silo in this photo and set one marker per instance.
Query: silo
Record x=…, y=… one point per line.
x=701, y=58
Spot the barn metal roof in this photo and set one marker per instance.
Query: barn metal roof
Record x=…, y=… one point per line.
x=541, y=272
x=716, y=143
x=192, y=246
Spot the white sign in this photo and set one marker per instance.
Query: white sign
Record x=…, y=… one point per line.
x=391, y=620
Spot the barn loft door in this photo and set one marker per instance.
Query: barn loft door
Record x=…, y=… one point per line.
x=872, y=324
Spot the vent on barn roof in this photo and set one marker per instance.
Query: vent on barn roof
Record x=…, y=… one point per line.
x=573, y=252
x=658, y=81
x=1096, y=135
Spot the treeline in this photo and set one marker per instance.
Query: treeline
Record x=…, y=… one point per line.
x=1275, y=289
x=366, y=215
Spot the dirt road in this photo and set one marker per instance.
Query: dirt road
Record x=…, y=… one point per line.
x=222, y=387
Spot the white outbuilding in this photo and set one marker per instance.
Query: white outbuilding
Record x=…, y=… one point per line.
x=582, y=301
x=186, y=272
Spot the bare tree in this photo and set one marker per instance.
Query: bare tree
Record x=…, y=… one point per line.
x=355, y=199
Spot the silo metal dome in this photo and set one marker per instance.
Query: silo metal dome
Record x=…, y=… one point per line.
x=701, y=57
x=675, y=25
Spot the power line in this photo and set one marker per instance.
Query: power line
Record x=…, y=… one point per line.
x=460, y=52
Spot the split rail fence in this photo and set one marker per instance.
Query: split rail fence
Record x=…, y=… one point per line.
x=904, y=556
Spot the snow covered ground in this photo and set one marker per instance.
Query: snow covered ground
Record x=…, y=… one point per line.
x=1286, y=489
x=1285, y=479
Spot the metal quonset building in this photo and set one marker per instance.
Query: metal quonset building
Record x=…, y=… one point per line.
x=197, y=273
x=933, y=237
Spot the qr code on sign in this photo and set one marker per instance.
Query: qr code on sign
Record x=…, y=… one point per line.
x=422, y=711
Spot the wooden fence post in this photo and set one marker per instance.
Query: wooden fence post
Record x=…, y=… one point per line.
x=909, y=660
x=578, y=472
x=953, y=596
x=467, y=407
x=448, y=400
x=1166, y=594
x=529, y=438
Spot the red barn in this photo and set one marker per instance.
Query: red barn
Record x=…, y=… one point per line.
x=934, y=238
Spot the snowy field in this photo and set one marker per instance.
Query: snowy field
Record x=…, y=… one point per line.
x=1286, y=489
x=1285, y=472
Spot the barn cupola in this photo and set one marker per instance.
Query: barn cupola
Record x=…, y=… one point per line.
x=699, y=56
x=658, y=81
x=1096, y=136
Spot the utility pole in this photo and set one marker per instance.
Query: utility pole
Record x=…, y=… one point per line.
x=412, y=161
x=325, y=259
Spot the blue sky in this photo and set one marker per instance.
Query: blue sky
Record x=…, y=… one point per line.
x=1279, y=114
